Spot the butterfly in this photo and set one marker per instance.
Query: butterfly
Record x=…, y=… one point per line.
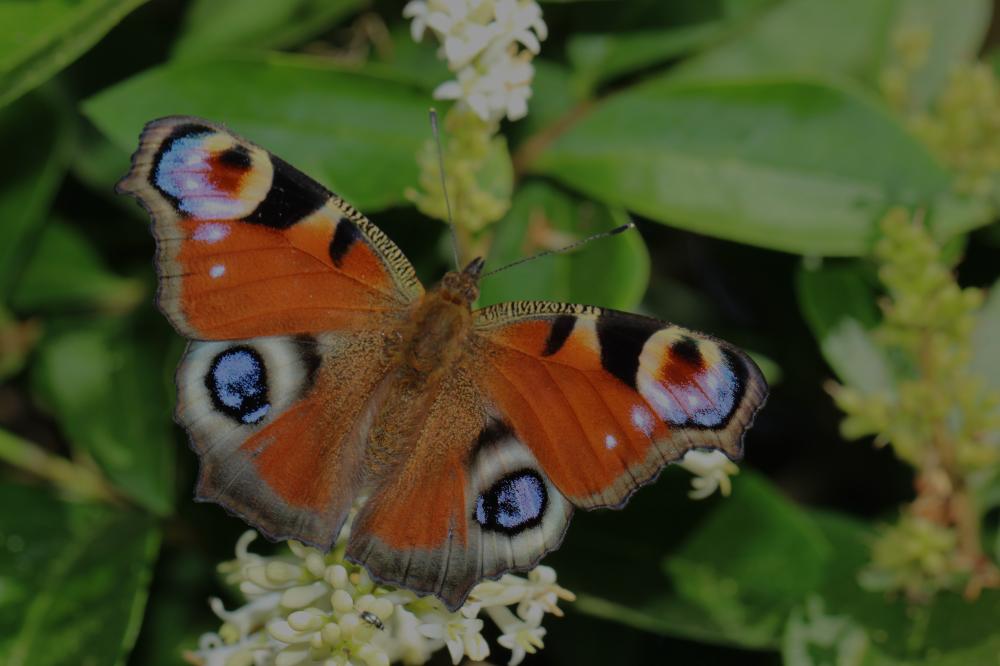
x=320, y=371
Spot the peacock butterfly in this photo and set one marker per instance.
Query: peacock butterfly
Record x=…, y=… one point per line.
x=320, y=371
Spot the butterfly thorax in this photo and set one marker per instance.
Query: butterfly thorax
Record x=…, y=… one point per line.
x=440, y=325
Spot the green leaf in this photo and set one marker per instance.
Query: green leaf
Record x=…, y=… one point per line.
x=601, y=57
x=73, y=579
x=612, y=272
x=41, y=37
x=37, y=132
x=773, y=374
x=850, y=38
x=99, y=164
x=212, y=26
x=723, y=571
x=846, y=37
x=553, y=98
x=838, y=302
x=66, y=273
x=947, y=631
x=356, y=133
x=985, y=349
x=790, y=165
x=407, y=61
x=728, y=569
x=177, y=615
x=103, y=382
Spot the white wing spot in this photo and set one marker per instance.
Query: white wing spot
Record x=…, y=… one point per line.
x=217, y=271
x=211, y=232
x=191, y=184
x=642, y=420
x=610, y=442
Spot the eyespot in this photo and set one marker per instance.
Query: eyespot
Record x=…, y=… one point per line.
x=687, y=382
x=206, y=174
x=512, y=504
x=237, y=384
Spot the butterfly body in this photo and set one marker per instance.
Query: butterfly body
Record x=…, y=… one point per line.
x=321, y=375
x=430, y=347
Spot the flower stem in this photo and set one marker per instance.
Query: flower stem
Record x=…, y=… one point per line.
x=536, y=144
x=73, y=478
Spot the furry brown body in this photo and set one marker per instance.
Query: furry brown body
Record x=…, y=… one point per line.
x=429, y=349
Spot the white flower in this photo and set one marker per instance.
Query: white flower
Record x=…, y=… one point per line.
x=307, y=608
x=461, y=635
x=522, y=639
x=418, y=11
x=503, y=90
x=521, y=22
x=247, y=619
x=712, y=470
x=489, y=45
x=457, y=24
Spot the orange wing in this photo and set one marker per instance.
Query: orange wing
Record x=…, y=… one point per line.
x=287, y=291
x=470, y=502
x=272, y=448
x=554, y=406
x=248, y=246
x=606, y=399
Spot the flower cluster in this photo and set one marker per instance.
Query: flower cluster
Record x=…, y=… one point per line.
x=814, y=636
x=307, y=608
x=489, y=45
x=910, y=47
x=939, y=417
x=916, y=556
x=963, y=129
x=711, y=470
x=929, y=321
x=962, y=125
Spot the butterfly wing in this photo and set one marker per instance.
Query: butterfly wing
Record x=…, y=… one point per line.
x=256, y=261
x=273, y=448
x=471, y=503
x=606, y=399
x=249, y=246
x=557, y=406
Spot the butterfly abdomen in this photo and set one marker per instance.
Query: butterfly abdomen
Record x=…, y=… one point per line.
x=431, y=346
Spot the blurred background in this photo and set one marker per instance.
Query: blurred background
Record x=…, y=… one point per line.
x=816, y=182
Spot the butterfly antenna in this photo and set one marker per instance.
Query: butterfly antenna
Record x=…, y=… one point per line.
x=444, y=189
x=568, y=248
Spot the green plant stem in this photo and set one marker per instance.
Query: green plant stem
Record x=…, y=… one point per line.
x=67, y=476
x=536, y=144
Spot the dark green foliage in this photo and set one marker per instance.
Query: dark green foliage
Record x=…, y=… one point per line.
x=734, y=132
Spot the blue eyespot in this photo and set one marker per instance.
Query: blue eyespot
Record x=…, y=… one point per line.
x=513, y=504
x=237, y=383
x=184, y=173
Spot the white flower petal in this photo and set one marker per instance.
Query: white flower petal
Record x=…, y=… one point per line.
x=448, y=90
x=414, y=8
x=528, y=39
x=417, y=29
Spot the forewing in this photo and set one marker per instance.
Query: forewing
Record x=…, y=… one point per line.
x=249, y=246
x=606, y=399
